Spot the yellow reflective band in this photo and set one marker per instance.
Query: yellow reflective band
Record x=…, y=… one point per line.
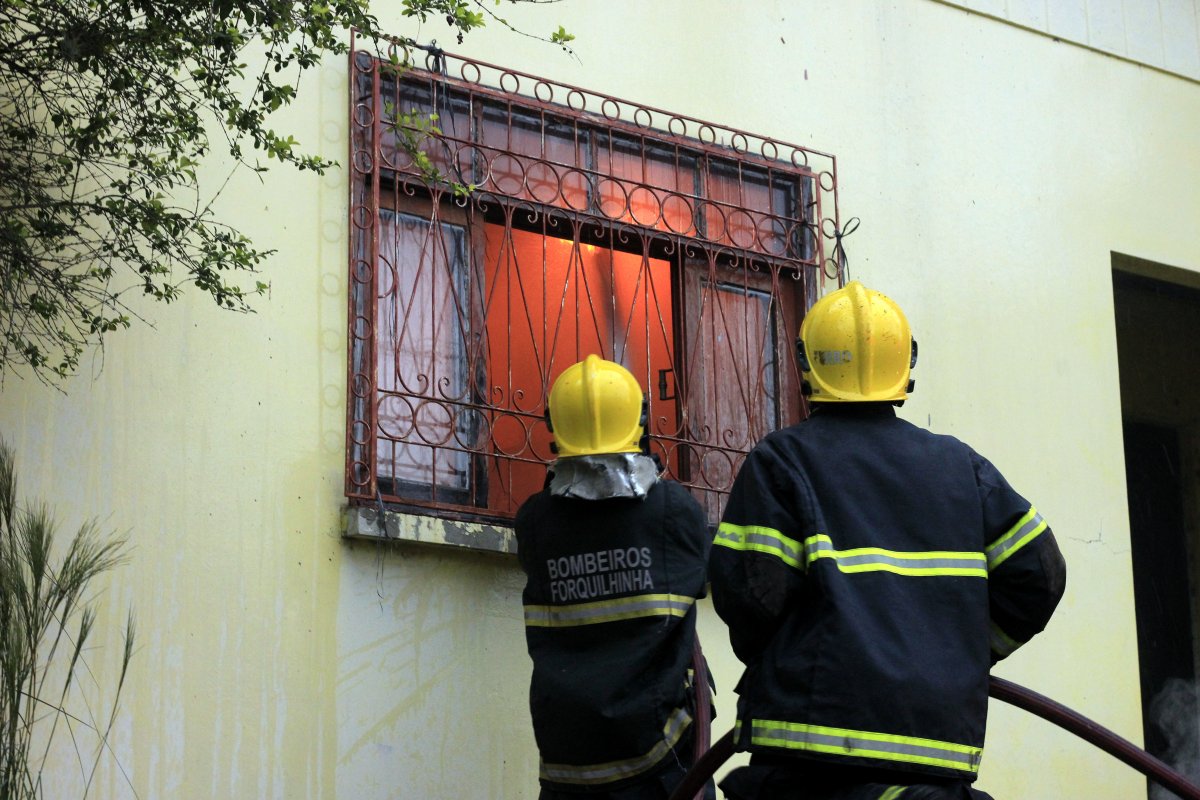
x=892, y=793
x=1019, y=535
x=761, y=540
x=591, y=774
x=876, y=559
x=1003, y=645
x=865, y=744
x=640, y=605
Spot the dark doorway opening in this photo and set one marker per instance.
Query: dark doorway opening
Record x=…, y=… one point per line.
x=1158, y=327
x=1160, y=579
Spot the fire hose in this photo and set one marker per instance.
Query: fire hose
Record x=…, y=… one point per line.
x=703, y=713
x=1069, y=720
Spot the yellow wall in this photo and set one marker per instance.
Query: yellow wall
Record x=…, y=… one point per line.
x=1159, y=35
x=994, y=169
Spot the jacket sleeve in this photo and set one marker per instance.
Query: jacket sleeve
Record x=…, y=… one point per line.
x=757, y=562
x=1026, y=570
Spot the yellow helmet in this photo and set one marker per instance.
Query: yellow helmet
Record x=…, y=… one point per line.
x=596, y=406
x=855, y=346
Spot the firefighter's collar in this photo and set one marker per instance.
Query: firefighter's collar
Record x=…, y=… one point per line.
x=602, y=476
x=883, y=408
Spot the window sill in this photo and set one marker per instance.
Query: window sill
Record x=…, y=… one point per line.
x=363, y=522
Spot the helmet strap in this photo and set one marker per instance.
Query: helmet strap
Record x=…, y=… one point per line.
x=802, y=356
x=644, y=442
x=550, y=428
x=802, y=360
x=912, y=362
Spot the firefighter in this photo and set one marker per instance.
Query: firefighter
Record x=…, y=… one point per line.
x=614, y=558
x=871, y=573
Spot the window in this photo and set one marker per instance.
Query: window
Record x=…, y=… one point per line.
x=684, y=250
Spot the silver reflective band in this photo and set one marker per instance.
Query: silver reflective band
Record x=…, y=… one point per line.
x=1002, y=644
x=876, y=559
x=892, y=793
x=760, y=539
x=642, y=605
x=866, y=744
x=677, y=723
x=1019, y=535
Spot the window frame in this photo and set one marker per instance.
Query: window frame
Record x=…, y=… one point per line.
x=375, y=188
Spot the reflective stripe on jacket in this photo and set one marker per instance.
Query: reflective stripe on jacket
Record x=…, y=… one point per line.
x=870, y=572
x=610, y=617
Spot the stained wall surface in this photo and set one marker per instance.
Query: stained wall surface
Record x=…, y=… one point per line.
x=995, y=171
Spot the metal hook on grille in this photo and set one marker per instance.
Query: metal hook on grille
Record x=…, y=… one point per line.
x=381, y=520
x=839, y=250
x=435, y=60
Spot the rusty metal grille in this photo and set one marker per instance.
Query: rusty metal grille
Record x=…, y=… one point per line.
x=544, y=222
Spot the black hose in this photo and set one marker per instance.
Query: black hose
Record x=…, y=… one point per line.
x=1006, y=691
x=703, y=723
x=705, y=767
x=1093, y=733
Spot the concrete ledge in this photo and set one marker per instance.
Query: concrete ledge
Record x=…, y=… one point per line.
x=363, y=522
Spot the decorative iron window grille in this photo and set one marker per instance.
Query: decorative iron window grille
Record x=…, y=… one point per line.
x=685, y=250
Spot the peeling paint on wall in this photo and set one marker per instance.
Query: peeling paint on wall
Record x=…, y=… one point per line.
x=366, y=522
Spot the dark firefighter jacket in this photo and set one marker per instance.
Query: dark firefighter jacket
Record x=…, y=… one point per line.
x=610, y=622
x=870, y=573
